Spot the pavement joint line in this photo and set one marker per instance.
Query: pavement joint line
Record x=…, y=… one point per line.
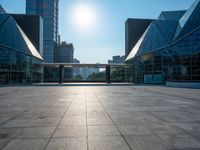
x=111, y=104
x=113, y=121
x=16, y=117
x=16, y=138
x=86, y=121
x=60, y=121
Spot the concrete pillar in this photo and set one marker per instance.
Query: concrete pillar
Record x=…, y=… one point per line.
x=61, y=74
x=107, y=74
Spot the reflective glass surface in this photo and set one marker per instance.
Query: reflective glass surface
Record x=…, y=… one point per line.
x=179, y=62
x=16, y=67
x=171, y=15
x=189, y=21
x=12, y=36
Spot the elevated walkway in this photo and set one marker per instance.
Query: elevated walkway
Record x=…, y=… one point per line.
x=125, y=68
x=84, y=84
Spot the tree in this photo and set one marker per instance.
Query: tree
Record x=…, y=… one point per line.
x=78, y=77
x=97, y=76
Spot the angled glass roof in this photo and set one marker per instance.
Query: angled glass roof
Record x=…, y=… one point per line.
x=136, y=47
x=171, y=15
x=11, y=35
x=3, y=19
x=2, y=11
x=158, y=35
x=31, y=47
x=192, y=13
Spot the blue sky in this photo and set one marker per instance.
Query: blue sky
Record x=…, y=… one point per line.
x=106, y=38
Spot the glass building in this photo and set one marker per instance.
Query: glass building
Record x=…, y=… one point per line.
x=19, y=61
x=48, y=9
x=169, y=49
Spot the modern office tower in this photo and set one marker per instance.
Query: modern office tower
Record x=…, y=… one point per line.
x=32, y=25
x=64, y=53
x=117, y=60
x=48, y=9
x=169, y=49
x=134, y=28
x=19, y=61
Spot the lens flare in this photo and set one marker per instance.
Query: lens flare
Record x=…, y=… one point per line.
x=84, y=16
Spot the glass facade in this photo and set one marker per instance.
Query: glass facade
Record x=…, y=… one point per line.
x=169, y=60
x=87, y=72
x=180, y=62
x=19, y=61
x=17, y=67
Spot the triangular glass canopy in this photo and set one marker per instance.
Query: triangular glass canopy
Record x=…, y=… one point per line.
x=189, y=21
x=12, y=36
x=170, y=27
x=159, y=34
x=171, y=15
x=2, y=11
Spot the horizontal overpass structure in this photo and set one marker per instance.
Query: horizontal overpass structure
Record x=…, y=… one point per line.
x=107, y=67
x=84, y=65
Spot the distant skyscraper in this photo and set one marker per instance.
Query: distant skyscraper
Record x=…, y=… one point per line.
x=64, y=53
x=48, y=9
x=117, y=60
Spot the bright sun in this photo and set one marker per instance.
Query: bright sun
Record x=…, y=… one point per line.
x=84, y=16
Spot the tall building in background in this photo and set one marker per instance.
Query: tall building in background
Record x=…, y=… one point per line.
x=117, y=60
x=48, y=9
x=64, y=53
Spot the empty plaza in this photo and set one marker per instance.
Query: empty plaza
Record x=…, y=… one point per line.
x=99, y=118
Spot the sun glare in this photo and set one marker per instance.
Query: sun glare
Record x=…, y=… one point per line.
x=84, y=16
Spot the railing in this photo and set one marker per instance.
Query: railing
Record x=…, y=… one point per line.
x=60, y=72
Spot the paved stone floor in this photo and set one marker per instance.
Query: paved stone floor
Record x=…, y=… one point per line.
x=99, y=118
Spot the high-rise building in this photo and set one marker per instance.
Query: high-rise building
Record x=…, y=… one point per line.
x=117, y=60
x=64, y=53
x=48, y=9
